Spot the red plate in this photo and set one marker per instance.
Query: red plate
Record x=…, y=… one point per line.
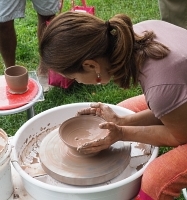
x=10, y=101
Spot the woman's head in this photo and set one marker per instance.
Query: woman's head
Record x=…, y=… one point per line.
x=81, y=44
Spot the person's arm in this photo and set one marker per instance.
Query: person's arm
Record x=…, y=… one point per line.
x=142, y=118
x=173, y=132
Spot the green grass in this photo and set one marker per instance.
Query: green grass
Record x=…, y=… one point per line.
x=27, y=55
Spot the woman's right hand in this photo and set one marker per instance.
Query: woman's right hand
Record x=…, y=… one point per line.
x=102, y=110
x=114, y=134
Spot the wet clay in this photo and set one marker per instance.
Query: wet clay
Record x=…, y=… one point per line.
x=66, y=166
x=29, y=161
x=3, y=142
x=76, y=131
x=1, y=147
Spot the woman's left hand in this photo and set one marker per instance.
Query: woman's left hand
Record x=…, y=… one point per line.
x=114, y=134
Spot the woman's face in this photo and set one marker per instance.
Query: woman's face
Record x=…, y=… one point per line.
x=89, y=78
x=91, y=70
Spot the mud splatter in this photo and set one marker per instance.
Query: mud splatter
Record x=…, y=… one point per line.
x=15, y=196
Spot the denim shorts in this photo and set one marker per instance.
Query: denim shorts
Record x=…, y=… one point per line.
x=12, y=9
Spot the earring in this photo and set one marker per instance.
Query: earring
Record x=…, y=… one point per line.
x=98, y=80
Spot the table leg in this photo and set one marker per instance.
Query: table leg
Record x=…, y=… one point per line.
x=30, y=112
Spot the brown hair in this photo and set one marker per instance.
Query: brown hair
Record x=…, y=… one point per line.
x=73, y=37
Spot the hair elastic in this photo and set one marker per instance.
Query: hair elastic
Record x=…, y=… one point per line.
x=110, y=30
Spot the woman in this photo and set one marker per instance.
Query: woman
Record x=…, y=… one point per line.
x=153, y=53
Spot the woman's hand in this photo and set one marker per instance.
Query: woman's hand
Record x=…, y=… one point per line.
x=114, y=134
x=101, y=110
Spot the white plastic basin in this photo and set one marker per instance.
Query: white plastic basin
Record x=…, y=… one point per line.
x=185, y=193
x=119, y=189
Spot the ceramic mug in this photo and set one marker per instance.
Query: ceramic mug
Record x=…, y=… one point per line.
x=17, y=79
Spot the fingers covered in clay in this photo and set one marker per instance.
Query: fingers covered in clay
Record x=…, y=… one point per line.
x=113, y=135
x=87, y=111
x=102, y=110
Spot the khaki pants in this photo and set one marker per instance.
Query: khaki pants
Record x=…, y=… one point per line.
x=174, y=11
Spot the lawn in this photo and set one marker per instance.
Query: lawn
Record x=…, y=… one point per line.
x=27, y=55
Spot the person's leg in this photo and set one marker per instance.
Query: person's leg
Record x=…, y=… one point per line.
x=43, y=76
x=174, y=11
x=8, y=42
x=42, y=23
x=46, y=10
x=166, y=176
x=9, y=11
x=136, y=103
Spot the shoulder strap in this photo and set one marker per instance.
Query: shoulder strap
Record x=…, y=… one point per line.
x=73, y=3
x=61, y=4
x=84, y=3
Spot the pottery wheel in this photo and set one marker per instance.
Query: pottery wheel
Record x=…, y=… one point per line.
x=59, y=162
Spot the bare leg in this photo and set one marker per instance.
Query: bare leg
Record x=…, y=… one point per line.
x=8, y=42
x=43, y=75
x=42, y=24
x=174, y=11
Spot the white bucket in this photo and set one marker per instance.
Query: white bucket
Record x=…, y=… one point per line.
x=6, y=185
x=185, y=193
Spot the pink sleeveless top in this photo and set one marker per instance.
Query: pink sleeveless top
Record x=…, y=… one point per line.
x=164, y=82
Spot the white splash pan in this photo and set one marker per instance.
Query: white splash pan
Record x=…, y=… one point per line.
x=123, y=187
x=185, y=193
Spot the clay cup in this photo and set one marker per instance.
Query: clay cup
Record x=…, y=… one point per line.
x=17, y=79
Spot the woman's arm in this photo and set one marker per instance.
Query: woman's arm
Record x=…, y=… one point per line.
x=143, y=127
x=142, y=118
x=140, y=128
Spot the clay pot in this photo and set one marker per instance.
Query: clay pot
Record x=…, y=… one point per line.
x=17, y=79
x=76, y=131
